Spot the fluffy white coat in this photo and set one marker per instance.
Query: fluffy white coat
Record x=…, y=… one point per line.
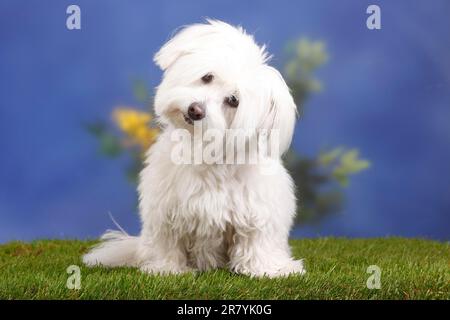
x=207, y=216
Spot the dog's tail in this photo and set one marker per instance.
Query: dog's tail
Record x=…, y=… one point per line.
x=117, y=249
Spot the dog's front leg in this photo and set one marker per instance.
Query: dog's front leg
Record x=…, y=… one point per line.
x=162, y=253
x=263, y=252
x=208, y=252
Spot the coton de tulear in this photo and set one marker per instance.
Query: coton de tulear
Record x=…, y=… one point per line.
x=220, y=214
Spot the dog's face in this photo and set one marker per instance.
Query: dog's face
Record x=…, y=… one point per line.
x=216, y=75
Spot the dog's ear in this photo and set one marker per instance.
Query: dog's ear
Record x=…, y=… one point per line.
x=181, y=44
x=281, y=110
x=168, y=54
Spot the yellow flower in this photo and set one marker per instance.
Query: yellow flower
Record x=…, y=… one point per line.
x=136, y=125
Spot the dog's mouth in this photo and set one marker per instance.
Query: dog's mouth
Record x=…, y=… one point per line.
x=187, y=119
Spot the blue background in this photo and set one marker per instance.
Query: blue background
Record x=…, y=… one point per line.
x=386, y=92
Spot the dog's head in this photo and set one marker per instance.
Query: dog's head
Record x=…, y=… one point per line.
x=217, y=74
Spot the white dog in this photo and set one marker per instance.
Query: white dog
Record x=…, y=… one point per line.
x=207, y=216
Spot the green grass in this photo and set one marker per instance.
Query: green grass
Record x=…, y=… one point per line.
x=411, y=269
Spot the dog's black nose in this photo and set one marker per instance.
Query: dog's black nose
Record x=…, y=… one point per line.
x=196, y=111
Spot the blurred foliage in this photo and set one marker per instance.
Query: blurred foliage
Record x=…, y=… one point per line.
x=320, y=180
x=304, y=57
x=136, y=134
x=136, y=127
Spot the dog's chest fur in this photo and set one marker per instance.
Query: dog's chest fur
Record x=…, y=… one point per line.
x=205, y=201
x=200, y=201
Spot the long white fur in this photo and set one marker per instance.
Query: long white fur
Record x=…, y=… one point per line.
x=201, y=217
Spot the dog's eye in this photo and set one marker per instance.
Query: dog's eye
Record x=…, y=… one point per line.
x=232, y=101
x=207, y=78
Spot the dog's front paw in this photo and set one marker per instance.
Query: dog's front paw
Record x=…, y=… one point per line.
x=291, y=267
x=152, y=268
